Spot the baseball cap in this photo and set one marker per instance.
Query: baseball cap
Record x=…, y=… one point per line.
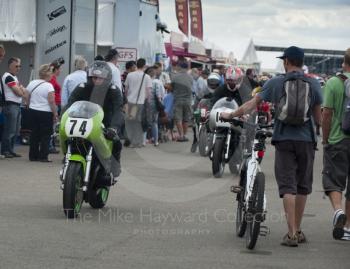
x=293, y=52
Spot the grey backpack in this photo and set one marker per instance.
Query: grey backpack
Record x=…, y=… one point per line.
x=345, y=123
x=293, y=108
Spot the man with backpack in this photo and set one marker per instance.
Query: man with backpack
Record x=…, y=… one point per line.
x=336, y=140
x=298, y=102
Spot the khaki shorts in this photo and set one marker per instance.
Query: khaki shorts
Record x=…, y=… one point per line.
x=182, y=112
x=336, y=168
x=294, y=161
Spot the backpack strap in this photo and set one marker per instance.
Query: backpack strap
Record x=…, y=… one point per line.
x=342, y=77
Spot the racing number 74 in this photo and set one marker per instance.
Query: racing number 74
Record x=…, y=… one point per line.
x=82, y=128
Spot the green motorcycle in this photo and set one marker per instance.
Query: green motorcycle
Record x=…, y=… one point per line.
x=86, y=172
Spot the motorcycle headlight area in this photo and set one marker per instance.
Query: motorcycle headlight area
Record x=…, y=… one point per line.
x=78, y=127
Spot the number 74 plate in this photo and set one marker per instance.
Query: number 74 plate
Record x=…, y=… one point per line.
x=78, y=127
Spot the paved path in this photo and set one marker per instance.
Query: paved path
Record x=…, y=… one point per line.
x=166, y=212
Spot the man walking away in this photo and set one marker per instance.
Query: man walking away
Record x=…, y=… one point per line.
x=182, y=89
x=138, y=86
x=336, y=154
x=293, y=136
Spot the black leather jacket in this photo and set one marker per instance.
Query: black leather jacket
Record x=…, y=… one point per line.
x=223, y=91
x=112, y=103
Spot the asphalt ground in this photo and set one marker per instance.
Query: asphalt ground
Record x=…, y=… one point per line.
x=167, y=211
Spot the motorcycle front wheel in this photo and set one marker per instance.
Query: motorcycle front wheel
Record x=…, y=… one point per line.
x=73, y=190
x=203, y=141
x=255, y=211
x=218, y=163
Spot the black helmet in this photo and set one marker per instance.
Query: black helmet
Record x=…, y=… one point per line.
x=100, y=69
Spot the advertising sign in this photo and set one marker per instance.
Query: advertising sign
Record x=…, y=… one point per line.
x=126, y=54
x=53, y=35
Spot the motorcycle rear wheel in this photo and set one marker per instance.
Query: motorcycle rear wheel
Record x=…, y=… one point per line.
x=98, y=197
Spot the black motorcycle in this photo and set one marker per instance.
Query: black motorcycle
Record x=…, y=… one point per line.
x=225, y=139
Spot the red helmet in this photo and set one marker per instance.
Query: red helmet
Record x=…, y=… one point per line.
x=234, y=77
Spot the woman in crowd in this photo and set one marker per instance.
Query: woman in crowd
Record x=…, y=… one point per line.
x=56, y=71
x=42, y=113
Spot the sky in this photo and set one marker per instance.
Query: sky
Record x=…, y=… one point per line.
x=231, y=24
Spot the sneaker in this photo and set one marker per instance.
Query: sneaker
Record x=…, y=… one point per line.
x=182, y=139
x=127, y=143
x=7, y=155
x=339, y=221
x=290, y=241
x=45, y=160
x=346, y=235
x=54, y=151
x=114, y=180
x=14, y=154
x=301, y=237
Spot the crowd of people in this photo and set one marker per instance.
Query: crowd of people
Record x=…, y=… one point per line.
x=152, y=102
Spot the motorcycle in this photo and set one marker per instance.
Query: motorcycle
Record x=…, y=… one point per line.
x=225, y=138
x=202, y=136
x=85, y=175
x=205, y=137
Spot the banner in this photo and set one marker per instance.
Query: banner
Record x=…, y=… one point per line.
x=182, y=15
x=53, y=33
x=196, y=18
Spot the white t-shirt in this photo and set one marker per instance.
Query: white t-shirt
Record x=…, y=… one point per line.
x=9, y=81
x=165, y=78
x=38, y=98
x=116, y=77
x=159, y=85
x=132, y=84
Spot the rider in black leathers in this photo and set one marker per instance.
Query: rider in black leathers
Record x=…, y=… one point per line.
x=233, y=80
x=99, y=90
x=234, y=77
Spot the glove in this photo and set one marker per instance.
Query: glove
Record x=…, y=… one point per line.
x=111, y=134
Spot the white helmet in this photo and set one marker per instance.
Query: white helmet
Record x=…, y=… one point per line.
x=213, y=80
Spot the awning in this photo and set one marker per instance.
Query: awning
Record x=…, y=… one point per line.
x=18, y=21
x=175, y=51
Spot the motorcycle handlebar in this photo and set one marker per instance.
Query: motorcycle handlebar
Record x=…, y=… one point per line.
x=241, y=123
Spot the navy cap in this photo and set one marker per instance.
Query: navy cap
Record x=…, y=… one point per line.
x=293, y=53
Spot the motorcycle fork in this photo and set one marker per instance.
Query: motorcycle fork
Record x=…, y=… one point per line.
x=228, y=141
x=211, y=151
x=65, y=166
x=88, y=169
